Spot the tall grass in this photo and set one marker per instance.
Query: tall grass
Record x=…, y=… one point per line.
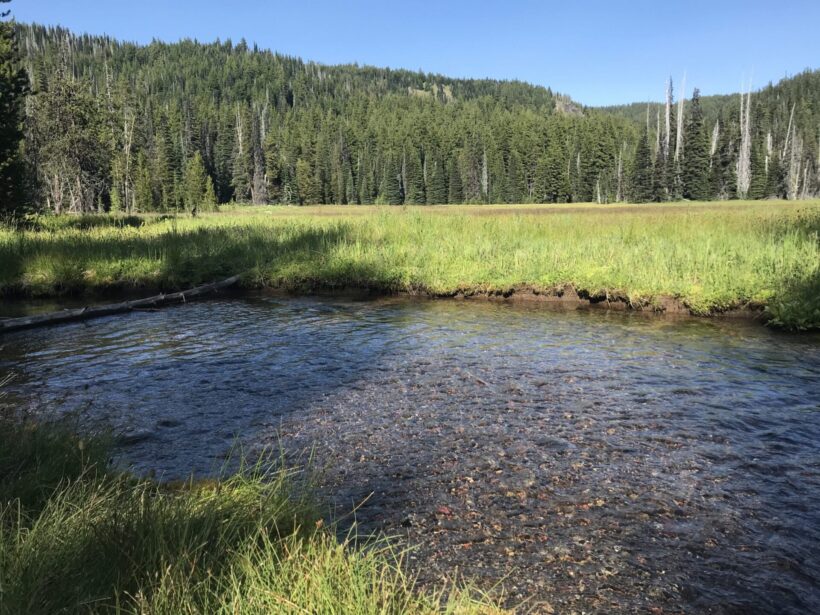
x=712, y=257
x=77, y=538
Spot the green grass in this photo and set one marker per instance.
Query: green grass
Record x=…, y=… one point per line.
x=710, y=256
x=76, y=537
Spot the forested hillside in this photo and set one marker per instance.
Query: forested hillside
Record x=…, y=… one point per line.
x=117, y=126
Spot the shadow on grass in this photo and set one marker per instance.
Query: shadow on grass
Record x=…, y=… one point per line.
x=76, y=538
x=796, y=304
x=288, y=255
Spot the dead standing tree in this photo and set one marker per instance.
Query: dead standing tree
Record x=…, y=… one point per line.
x=744, y=157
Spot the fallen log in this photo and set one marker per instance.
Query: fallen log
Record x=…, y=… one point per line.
x=40, y=320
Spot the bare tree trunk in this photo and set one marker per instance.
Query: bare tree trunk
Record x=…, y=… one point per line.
x=714, y=144
x=744, y=167
x=668, y=120
x=658, y=133
x=128, y=137
x=485, y=175
x=804, y=193
x=788, y=135
x=679, y=135
x=795, y=164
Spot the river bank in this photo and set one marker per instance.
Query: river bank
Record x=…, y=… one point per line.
x=704, y=259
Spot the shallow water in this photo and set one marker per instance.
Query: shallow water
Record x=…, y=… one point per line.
x=598, y=462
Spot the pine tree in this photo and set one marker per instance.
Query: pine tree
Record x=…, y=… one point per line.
x=273, y=168
x=390, y=190
x=436, y=190
x=413, y=180
x=695, y=165
x=194, y=184
x=209, y=201
x=307, y=186
x=722, y=179
x=73, y=161
x=164, y=174
x=552, y=183
x=759, y=182
x=13, y=89
x=455, y=189
x=776, y=179
x=143, y=186
x=641, y=179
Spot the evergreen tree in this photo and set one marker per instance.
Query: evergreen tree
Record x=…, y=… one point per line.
x=143, y=186
x=436, y=191
x=209, y=201
x=776, y=179
x=759, y=183
x=455, y=190
x=722, y=180
x=390, y=190
x=307, y=186
x=66, y=141
x=13, y=89
x=413, y=180
x=165, y=171
x=641, y=180
x=552, y=176
x=695, y=166
x=195, y=184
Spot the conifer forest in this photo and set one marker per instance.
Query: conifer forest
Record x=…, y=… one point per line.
x=115, y=126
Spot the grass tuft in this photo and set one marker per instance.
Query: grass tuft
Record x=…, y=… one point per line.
x=78, y=538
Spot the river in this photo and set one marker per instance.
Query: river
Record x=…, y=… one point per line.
x=591, y=461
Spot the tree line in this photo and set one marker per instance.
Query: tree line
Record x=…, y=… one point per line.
x=110, y=126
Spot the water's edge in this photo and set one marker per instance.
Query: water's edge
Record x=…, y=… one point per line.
x=566, y=297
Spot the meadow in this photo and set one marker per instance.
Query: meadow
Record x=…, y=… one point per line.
x=710, y=257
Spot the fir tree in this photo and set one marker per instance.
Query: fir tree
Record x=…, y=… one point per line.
x=143, y=186
x=641, y=179
x=13, y=89
x=194, y=184
x=209, y=201
x=413, y=180
x=759, y=182
x=436, y=191
x=390, y=190
x=307, y=187
x=455, y=189
x=695, y=166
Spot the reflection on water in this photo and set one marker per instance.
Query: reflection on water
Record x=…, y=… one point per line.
x=599, y=461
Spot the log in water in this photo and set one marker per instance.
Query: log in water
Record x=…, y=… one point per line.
x=8, y=325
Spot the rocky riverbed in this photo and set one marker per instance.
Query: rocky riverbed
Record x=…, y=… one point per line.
x=578, y=462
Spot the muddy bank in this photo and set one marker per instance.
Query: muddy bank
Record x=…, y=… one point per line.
x=17, y=302
x=565, y=297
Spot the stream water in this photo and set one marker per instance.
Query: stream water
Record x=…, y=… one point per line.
x=590, y=461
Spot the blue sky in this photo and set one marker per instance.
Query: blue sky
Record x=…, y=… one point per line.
x=597, y=52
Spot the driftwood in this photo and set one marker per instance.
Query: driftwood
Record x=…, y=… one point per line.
x=41, y=320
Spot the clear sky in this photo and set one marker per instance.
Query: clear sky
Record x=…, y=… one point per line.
x=598, y=52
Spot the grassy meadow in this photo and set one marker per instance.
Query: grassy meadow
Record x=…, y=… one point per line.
x=76, y=537
x=710, y=256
